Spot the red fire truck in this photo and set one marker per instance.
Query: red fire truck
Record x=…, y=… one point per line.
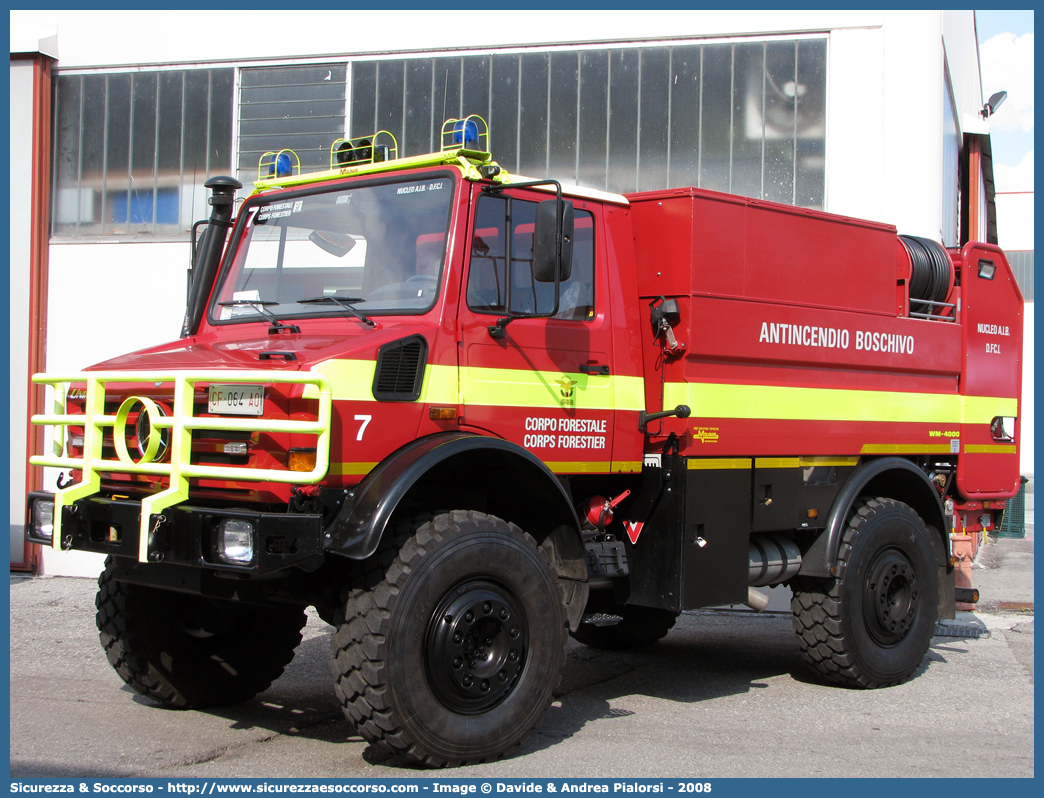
x=464, y=414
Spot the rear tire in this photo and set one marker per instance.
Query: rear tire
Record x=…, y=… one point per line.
x=452, y=656
x=189, y=652
x=872, y=625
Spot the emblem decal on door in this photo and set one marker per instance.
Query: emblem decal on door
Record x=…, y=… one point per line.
x=566, y=397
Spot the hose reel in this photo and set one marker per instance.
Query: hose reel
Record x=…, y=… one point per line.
x=931, y=277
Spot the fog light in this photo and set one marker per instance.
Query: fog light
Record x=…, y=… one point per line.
x=236, y=541
x=43, y=520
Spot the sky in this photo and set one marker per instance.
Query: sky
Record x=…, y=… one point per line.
x=1006, y=60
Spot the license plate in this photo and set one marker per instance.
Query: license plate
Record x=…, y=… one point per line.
x=236, y=400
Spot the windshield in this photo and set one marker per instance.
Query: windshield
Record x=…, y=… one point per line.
x=377, y=248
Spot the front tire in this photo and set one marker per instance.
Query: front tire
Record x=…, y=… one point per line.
x=452, y=656
x=872, y=625
x=189, y=652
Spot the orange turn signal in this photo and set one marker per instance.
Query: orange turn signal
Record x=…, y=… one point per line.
x=442, y=413
x=301, y=460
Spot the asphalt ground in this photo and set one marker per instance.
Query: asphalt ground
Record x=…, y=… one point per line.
x=724, y=695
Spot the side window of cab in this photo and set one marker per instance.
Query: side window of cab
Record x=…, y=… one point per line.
x=487, y=282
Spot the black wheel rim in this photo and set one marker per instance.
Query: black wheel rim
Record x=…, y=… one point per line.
x=890, y=597
x=476, y=646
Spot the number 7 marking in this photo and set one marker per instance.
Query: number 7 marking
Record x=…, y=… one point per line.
x=365, y=423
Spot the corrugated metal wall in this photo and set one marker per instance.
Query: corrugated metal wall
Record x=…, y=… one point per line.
x=1022, y=265
x=748, y=118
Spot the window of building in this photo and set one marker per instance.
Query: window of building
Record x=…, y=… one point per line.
x=295, y=107
x=133, y=149
x=747, y=118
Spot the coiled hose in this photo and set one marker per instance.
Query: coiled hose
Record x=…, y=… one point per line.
x=931, y=275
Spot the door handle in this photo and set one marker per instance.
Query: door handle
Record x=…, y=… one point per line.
x=593, y=368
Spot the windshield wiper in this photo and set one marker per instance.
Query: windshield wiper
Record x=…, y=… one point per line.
x=259, y=306
x=340, y=302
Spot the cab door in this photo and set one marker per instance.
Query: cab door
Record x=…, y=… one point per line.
x=546, y=383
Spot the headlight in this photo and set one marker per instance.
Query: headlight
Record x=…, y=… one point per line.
x=42, y=519
x=235, y=543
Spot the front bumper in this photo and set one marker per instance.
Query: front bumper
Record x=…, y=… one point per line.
x=185, y=534
x=174, y=461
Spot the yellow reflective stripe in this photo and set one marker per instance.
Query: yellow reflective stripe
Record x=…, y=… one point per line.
x=544, y=389
x=905, y=448
x=804, y=462
x=626, y=466
x=492, y=387
x=439, y=386
x=983, y=409
x=352, y=469
x=577, y=467
x=352, y=381
x=557, y=467
x=777, y=462
x=714, y=464
x=784, y=403
x=990, y=448
x=630, y=393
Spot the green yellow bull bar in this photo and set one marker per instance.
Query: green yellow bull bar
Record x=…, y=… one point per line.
x=181, y=423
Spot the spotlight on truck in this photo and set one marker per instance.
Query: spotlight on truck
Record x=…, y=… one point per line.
x=42, y=520
x=235, y=541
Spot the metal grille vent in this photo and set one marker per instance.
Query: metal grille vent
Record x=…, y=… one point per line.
x=400, y=370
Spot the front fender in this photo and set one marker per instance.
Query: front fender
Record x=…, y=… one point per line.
x=534, y=498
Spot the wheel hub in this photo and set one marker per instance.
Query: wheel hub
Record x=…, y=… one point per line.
x=475, y=648
x=890, y=597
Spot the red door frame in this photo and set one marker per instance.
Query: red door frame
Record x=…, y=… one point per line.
x=38, y=268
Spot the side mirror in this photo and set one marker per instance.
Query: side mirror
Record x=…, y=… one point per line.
x=548, y=258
